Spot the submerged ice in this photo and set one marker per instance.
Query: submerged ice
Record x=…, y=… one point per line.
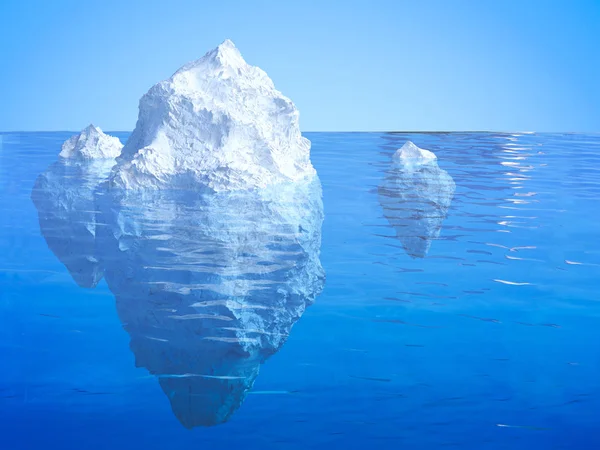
x=64, y=198
x=217, y=122
x=207, y=285
x=415, y=197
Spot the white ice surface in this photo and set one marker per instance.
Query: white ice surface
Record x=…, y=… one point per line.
x=217, y=122
x=91, y=143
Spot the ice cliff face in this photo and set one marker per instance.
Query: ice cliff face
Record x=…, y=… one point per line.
x=415, y=197
x=90, y=144
x=217, y=122
x=64, y=198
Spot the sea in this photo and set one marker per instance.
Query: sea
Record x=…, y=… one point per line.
x=453, y=304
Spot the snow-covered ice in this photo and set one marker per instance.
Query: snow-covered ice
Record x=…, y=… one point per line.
x=91, y=143
x=410, y=158
x=218, y=122
x=415, y=197
x=64, y=198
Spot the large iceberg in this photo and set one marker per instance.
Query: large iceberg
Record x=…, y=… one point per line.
x=217, y=122
x=64, y=198
x=207, y=231
x=415, y=197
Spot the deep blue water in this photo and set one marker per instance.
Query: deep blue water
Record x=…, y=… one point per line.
x=487, y=339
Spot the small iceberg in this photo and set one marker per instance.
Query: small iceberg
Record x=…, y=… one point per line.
x=91, y=144
x=64, y=198
x=415, y=197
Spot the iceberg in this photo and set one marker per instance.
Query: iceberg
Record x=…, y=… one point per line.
x=206, y=228
x=219, y=123
x=415, y=197
x=91, y=144
x=64, y=198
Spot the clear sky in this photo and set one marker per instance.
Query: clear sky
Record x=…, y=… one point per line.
x=503, y=65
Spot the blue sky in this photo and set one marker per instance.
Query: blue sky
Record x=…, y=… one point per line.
x=348, y=65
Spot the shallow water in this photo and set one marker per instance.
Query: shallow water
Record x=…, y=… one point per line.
x=481, y=337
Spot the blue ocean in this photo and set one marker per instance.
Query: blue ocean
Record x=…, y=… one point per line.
x=369, y=309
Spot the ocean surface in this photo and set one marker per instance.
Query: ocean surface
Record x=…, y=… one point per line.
x=379, y=309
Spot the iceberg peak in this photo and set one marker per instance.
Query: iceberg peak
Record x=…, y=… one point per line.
x=92, y=129
x=225, y=49
x=416, y=196
x=91, y=143
x=218, y=123
x=411, y=157
x=224, y=55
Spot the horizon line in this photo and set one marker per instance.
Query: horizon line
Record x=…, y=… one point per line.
x=350, y=131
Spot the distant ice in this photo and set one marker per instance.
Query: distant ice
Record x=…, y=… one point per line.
x=415, y=197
